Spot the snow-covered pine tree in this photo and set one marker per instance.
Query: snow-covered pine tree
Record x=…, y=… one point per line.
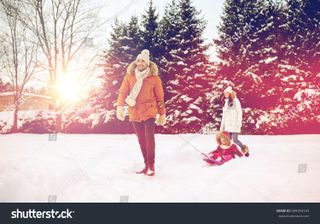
x=311, y=11
x=231, y=31
x=302, y=26
x=150, y=32
x=169, y=45
x=115, y=61
x=186, y=67
x=261, y=55
x=298, y=74
x=311, y=94
x=134, y=39
x=293, y=27
x=257, y=51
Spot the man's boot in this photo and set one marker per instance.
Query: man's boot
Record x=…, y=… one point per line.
x=144, y=170
x=150, y=170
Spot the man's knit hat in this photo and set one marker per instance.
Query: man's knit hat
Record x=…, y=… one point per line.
x=144, y=55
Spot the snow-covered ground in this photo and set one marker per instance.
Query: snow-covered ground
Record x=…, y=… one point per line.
x=101, y=168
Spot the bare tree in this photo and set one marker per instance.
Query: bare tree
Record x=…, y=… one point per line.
x=19, y=56
x=62, y=28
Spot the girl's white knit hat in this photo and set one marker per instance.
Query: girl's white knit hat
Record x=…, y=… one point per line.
x=228, y=90
x=144, y=55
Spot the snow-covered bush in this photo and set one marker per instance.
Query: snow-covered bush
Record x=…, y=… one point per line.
x=4, y=127
x=77, y=125
x=42, y=122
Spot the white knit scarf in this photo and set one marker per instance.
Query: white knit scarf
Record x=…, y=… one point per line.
x=140, y=76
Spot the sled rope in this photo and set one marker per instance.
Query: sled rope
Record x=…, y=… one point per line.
x=185, y=140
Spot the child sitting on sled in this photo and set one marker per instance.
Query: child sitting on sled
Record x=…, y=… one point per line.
x=225, y=151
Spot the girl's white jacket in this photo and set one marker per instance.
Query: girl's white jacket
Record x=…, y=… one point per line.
x=231, y=117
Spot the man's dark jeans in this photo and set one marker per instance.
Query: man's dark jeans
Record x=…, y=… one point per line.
x=145, y=133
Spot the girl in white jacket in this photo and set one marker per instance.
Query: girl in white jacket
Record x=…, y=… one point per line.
x=232, y=118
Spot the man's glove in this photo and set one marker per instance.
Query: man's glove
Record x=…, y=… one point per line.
x=161, y=120
x=121, y=113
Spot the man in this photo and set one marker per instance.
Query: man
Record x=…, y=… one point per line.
x=142, y=90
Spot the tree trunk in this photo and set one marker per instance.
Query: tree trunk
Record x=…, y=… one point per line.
x=58, y=121
x=15, y=119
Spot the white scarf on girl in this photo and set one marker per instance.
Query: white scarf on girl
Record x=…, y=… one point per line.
x=140, y=76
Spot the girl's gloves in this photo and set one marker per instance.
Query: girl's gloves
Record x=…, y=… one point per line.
x=161, y=120
x=121, y=115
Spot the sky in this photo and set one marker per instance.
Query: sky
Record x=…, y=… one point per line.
x=211, y=10
x=124, y=9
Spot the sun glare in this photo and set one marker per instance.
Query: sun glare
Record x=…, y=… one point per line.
x=69, y=89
